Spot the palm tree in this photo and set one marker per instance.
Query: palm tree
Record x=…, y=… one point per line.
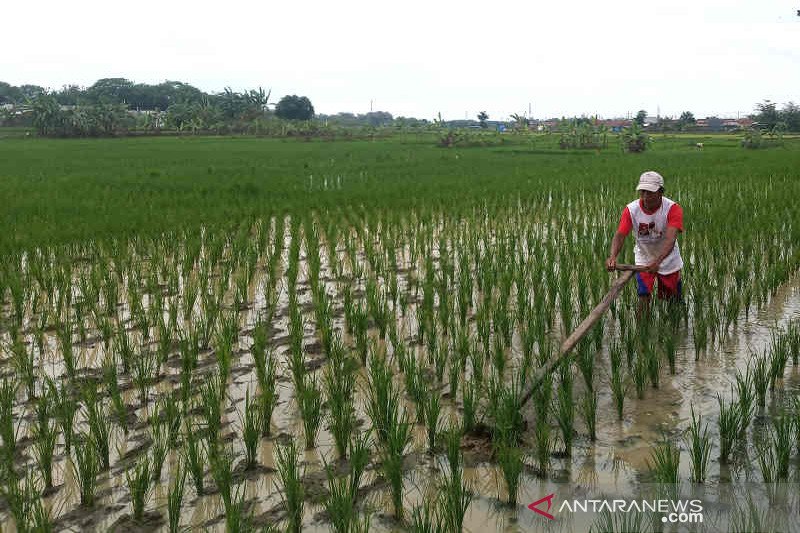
x=46, y=114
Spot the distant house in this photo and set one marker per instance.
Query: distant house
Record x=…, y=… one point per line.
x=615, y=124
x=651, y=121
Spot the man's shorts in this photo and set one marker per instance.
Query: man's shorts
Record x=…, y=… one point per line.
x=669, y=285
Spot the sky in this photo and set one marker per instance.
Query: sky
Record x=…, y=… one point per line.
x=423, y=58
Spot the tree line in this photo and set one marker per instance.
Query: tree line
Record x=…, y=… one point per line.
x=113, y=106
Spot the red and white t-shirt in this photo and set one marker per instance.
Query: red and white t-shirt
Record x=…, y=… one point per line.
x=649, y=230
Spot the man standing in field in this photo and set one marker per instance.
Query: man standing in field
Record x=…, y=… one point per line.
x=656, y=222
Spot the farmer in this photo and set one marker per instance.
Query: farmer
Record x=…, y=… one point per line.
x=656, y=222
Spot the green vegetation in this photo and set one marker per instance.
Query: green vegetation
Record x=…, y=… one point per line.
x=246, y=293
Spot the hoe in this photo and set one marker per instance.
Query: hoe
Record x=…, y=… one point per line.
x=582, y=329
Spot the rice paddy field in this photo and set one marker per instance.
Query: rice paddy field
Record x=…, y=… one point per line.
x=237, y=334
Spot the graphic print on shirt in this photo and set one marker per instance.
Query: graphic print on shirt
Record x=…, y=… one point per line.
x=648, y=229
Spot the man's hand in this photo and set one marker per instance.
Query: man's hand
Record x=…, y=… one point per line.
x=653, y=267
x=611, y=264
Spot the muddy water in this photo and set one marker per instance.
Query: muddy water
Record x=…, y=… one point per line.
x=612, y=464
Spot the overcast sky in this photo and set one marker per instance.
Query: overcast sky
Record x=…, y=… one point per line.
x=423, y=57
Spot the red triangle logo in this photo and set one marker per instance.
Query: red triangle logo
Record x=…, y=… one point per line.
x=534, y=506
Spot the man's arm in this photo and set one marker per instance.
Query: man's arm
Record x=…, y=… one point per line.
x=669, y=243
x=616, y=247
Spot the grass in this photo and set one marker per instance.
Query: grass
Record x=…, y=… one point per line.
x=698, y=444
x=175, y=498
x=730, y=423
x=511, y=461
x=188, y=223
x=454, y=493
x=784, y=428
x=470, y=396
x=287, y=464
x=252, y=424
x=565, y=409
x=160, y=446
x=339, y=381
x=7, y=430
x=194, y=458
x=392, y=452
x=543, y=445
x=309, y=399
x=432, y=410
x=45, y=436
x=589, y=410
x=138, y=480
x=85, y=465
x=664, y=462
x=99, y=428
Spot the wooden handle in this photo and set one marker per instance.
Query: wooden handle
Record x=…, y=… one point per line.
x=579, y=332
x=632, y=268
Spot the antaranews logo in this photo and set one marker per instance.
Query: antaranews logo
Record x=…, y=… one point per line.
x=673, y=511
x=535, y=506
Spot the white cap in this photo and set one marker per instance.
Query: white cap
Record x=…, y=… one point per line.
x=650, y=181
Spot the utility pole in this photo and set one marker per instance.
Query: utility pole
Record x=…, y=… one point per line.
x=370, y=106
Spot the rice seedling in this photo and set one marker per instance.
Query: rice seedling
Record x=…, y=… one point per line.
x=145, y=367
x=25, y=505
x=7, y=430
x=24, y=365
x=65, y=408
x=745, y=398
x=698, y=443
x=175, y=498
x=194, y=458
x=309, y=398
x=585, y=363
x=221, y=462
x=160, y=446
x=426, y=518
x=631, y=522
x=749, y=518
x=339, y=381
x=85, y=465
x=542, y=440
x=358, y=455
x=236, y=517
x=619, y=388
x=669, y=342
x=765, y=455
x=340, y=502
x=138, y=479
x=639, y=374
x=589, y=410
x=251, y=430
x=729, y=427
x=124, y=348
x=97, y=419
x=383, y=400
x=168, y=405
x=470, y=397
x=761, y=380
x=44, y=439
x=454, y=494
x=499, y=355
x=511, y=463
x=287, y=464
x=565, y=409
x=432, y=410
x=664, y=462
x=64, y=334
x=210, y=406
x=392, y=451
x=782, y=442
x=118, y=407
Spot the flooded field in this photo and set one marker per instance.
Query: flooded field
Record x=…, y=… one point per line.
x=346, y=346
